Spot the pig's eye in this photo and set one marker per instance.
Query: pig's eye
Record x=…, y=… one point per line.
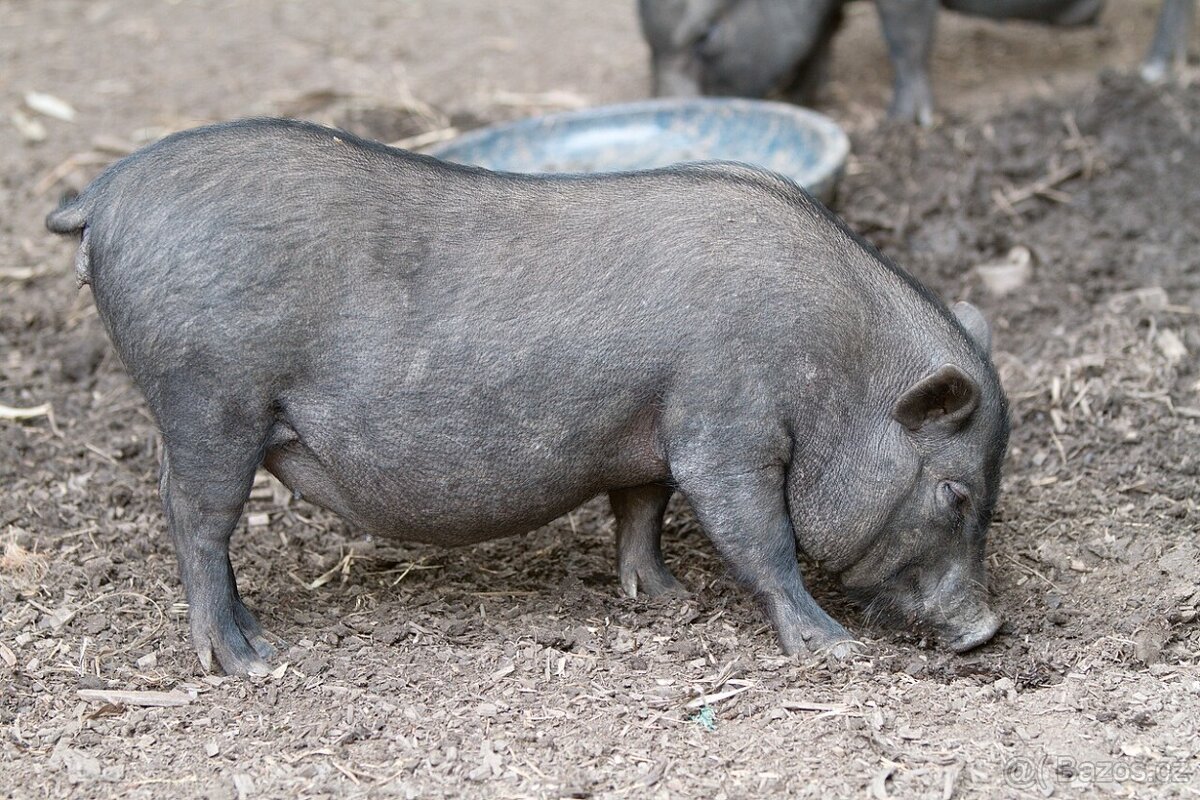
x=954, y=495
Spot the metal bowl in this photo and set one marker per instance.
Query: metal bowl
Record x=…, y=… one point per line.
x=800, y=144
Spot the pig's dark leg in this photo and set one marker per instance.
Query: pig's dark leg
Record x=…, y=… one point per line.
x=203, y=503
x=908, y=27
x=812, y=73
x=1170, y=39
x=639, y=512
x=745, y=515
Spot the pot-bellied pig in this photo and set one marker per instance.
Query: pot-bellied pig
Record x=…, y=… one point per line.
x=443, y=354
x=751, y=48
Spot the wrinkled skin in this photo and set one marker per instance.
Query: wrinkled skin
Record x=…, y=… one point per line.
x=754, y=48
x=443, y=354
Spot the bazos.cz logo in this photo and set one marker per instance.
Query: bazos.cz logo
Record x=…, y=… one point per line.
x=1048, y=770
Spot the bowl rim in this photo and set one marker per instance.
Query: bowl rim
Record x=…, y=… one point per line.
x=835, y=142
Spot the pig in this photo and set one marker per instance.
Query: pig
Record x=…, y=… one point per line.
x=742, y=48
x=753, y=48
x=443, y=354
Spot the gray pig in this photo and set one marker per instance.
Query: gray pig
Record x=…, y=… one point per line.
x=443, y=354
x=741, y=48
x=751, y=48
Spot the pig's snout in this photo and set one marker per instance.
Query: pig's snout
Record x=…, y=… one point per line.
x=677, y=76
x=961, y=637
x=953, y=606
x=956, y=607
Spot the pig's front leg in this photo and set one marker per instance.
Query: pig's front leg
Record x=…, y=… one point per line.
x=639, y=513
x=745, y=515
x=1169, y=48
x=908, y=27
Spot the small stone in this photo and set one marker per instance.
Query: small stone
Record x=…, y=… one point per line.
x=80, y=766
x=1147, y=647
x=1009, y=273
x=148, y=661
x=243, y=784
x=1171, y=346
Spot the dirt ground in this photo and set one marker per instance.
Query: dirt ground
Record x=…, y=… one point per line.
x=515, y=669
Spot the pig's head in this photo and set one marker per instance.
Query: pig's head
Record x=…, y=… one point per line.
x=902, y=517
x=743, y=48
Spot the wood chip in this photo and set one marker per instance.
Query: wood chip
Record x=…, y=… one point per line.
x=800, y=705
x=9, y=412
x=713, y=699
x=110, y=144
x=243, y=784
x=950, y=781
x=18, y=273
x=50, y=106
x=31, y=130
x=136, y=698
x=879, y=782
x=552, y=99
x=1172, y=347
x=343, y=566
x=503, y=671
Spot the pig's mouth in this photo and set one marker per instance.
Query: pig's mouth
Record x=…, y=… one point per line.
x=979, y=633
x=960, y=632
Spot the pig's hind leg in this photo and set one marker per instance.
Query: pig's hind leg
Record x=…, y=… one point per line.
x=204, y=485
x=639, y=513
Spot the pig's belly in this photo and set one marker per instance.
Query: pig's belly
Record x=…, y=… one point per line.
x=459, y=489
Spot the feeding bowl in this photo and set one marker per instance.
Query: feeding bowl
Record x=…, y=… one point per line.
x=798, y=143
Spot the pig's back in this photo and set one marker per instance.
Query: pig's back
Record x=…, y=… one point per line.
x=317, y=242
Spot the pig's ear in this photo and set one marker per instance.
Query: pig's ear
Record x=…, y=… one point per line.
x=946, y=395
x=972, y=319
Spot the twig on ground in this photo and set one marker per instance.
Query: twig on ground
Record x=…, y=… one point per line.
x=147, y=699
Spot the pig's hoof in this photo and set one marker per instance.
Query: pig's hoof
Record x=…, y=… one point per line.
x=841, y=651
x=1154, y=72
x=650, y=581
x=913, y=104
x=834, y=643
x=235, y=640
